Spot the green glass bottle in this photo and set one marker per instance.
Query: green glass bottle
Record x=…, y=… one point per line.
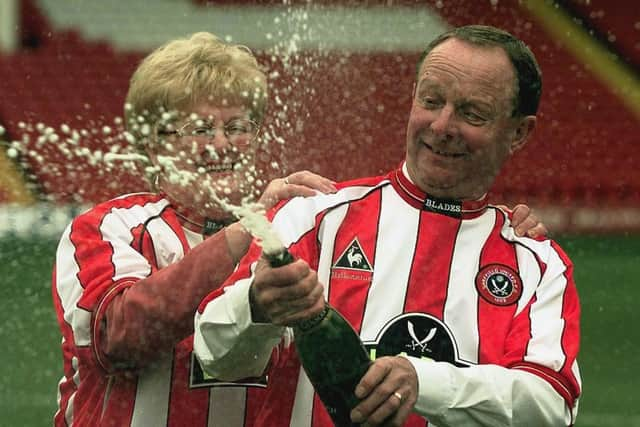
x=332, y=356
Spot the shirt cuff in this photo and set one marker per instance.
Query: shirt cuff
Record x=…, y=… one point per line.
x=239, y=310
x=435, y=386
x=227, y=343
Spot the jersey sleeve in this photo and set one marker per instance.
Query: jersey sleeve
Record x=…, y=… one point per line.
x=118, y=308
x=227, y=343
x=537, y=382
x=486, y=395
x=87, y=273
x=545, y=337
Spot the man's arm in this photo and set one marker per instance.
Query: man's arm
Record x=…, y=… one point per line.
x=487, y=395
x=237, y=327
x=227, y=342
x=537, y=382
x=481, y=395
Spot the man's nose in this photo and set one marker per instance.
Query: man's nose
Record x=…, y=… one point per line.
x=443, y=124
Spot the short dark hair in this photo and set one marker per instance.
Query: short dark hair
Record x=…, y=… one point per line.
x=528, y=74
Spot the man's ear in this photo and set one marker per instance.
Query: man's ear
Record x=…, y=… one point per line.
x=522, y=132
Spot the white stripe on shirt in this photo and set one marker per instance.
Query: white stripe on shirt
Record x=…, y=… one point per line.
x=169, y=249
x=70, y=290
x=227, y=406
x=386, y=294
x=152, y=394
x=461, y=312
x=547, y=324
x=302, y=412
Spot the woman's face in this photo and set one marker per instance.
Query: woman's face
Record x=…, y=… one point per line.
x=207, y=152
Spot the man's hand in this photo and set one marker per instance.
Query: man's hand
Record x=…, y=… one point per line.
x=302, y=183
x=285, y=295
x=388, y=392
x=525, y=222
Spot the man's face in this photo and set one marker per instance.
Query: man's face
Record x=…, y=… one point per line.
x=211, y=151
x=460, y=128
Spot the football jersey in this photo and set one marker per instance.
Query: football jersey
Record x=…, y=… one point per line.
x=428, y=278
x=102, y=253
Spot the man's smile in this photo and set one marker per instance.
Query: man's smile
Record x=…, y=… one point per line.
x=443, y=152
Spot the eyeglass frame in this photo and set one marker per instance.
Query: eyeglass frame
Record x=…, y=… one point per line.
x=180, y=131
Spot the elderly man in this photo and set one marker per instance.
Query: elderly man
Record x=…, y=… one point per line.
x=468, y=323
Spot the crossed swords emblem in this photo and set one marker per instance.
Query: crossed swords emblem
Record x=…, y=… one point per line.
x=497, y=289
x=417, y=343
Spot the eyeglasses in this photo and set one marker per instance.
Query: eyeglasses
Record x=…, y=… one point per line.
x=239, y=132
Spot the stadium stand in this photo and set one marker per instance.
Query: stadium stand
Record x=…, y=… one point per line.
x=343, y=105
x=611, y=22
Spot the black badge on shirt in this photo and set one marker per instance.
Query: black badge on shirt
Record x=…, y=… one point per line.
x=353, y=258
x=211, y=227
x=418, y=335
x=449, y=207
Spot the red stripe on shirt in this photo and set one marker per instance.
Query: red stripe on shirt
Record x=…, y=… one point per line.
x=120, y=403
x=495, y=321
x=353, y=285
x=429, y=276
x=280, y=393
x=516, y=342
x=97, y=320
x=186, y=404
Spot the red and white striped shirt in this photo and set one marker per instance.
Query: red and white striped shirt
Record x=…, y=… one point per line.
x=128, y=264
x=436, y=280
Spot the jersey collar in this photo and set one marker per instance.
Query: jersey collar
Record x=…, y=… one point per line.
x=463, y=209
x=205, y=226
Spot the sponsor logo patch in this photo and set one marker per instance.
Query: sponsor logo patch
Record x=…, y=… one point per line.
x=352, y=264
x=499, y=284
x=419, y=335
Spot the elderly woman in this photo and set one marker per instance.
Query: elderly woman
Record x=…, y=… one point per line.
x=130, y=272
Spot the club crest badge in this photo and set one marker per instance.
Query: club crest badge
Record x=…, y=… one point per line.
x=499, y=284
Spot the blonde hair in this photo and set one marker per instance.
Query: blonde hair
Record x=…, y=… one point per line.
x=186, y=71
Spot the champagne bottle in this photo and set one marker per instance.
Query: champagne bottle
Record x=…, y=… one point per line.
x=331, y=354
